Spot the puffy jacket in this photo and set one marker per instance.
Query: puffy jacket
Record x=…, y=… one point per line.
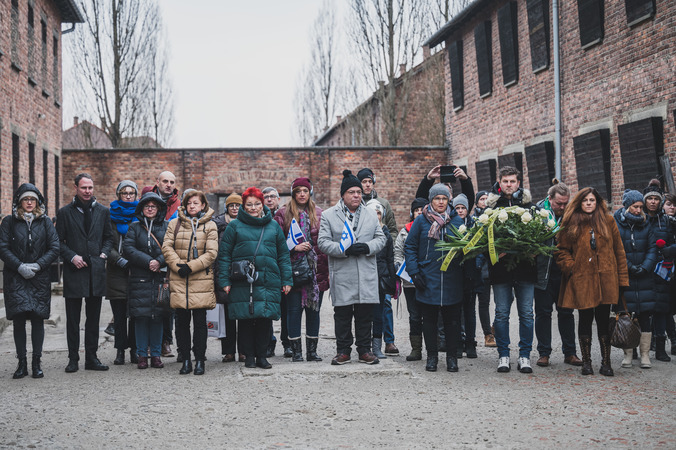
x=196, y=291
x=273, y=265
x=387, y=281
x=423, y=258
x=33, y=295
x=663, y=229
x=639, y=246
x=140, y=248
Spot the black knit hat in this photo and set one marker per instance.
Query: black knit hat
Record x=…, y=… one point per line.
x=653, y=189
x=349, y=181
x=366, y=173
x=479, y=195
x=418, y=203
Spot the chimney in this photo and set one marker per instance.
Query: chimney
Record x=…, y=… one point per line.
x=76, y=120
x=338, y=118
x=427, y=52
x=381, y=84
x=402, y=69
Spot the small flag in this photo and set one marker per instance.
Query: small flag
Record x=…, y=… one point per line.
x=401, y=273
x=347, y=238
x=295, y=235
x=665, y=269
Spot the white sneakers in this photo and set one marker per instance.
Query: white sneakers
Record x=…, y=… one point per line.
x=503, y=364
x=524, y=365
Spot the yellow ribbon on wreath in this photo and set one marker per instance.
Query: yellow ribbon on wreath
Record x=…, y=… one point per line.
x=491, y=245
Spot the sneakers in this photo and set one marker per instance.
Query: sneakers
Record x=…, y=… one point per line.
x=368, y=358
x=524, y=365
x=503, y=364
x=489, y=341
x=340, y=359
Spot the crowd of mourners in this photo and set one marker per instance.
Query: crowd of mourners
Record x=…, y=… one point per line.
x=164, y=258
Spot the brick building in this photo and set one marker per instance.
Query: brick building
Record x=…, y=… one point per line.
x=618, y=91
x=84, y=134
x=30, y=95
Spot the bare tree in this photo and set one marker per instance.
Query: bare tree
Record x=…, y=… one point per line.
x=441, y=11
x=119, y=60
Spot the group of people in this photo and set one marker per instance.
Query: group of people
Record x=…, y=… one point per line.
x=164, y=259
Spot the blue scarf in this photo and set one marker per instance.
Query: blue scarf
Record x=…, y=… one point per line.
x=122, y=214
x=631, y=218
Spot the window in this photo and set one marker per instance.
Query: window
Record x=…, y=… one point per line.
x=31, y=163
x=16, y=154
x=639, y=10
x=484, y=61
x=641, y=146
x=590, y=16
x=56, y=84
x=514, y=159
x=57, y=181
x=486, y=174
x=592, y=161
x=541, y=170
x=457, y=82
x=508, y=31
x=43, y=68
x=538, y=31
x=45, y=173
x=15, y=36
x=31, y=46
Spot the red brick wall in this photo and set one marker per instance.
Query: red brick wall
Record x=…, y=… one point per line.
x=222, y=171
x=24, y=109
x=633, y=68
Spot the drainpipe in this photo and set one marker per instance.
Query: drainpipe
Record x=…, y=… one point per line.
x=557, y=91
x=69, y=30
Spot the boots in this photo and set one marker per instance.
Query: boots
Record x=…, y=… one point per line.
x=187, y=367
x=377, y=348
x=628, y=358
x=470, y=349
x=21, y=368
x=311, y=344
x=133, y=356
x=199, y=368
x=644, y=347
x=416, y=348
x=264, y=364
x=585, y=349
x=156, y=362
x=297, y=349
x=142, y=362
x=452, y=363
x=119, y=360
x=606, y=369
x=432, y=362
x=660, y=352
x=37, y=370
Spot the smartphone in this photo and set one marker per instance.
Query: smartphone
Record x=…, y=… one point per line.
x=447, y=174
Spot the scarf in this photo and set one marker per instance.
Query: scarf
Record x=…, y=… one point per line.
x=631, y=218
x=351, y=218
x=309, y=292
x=438, y=221
x=122, y=214
x=87, y=211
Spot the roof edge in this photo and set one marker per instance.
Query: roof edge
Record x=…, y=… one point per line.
x=455, y=23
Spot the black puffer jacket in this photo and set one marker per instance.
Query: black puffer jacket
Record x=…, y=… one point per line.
x=663, y=229
x=21, y=243
x=387, y=282
x=639, y=245
x=140, y=248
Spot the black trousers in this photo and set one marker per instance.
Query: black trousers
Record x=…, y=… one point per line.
x=363, y=321
x=254, y=335
x=451, y=319
x=92, y=316
x=586, y=317
x=124, y=329
x=37, y=333
x=231, y=341
x=199, y=335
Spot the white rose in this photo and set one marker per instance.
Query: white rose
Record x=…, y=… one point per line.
x=544, y=213
x=503, y=216
x=488, y=211
x=520, y=211
x=551, y=224
x=483, y=219
x=462, y=229
x=526, y=217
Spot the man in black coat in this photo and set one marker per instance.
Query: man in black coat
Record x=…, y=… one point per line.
x=86, y=241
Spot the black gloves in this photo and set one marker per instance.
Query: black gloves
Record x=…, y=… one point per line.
x=122, y=263
x=184, y=270
x=359, y=248
x=637, y=271
x=419, y=281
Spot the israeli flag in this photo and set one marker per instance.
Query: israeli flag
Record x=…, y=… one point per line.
x=401, y=273
x=347, y=238
x=295, y=235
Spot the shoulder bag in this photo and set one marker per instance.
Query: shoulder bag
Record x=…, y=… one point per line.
x=245, y=269
x=163, y=293
x=625, y=332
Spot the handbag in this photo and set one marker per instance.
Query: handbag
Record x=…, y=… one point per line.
x=625, y=332
x=302, y=273
x=163, y=294
x=245, y=270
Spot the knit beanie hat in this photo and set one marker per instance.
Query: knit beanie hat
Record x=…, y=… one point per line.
x=125, y=183
x=349, y=181
x=302, y=181
x=376, y=206
x=418, y=203
x=653, y=189
x=186, y=192
x=461, y=199
x=630, y=197
x=439, y=189
x=233, y=198
x=366, y=173
x=29, y=194
x=146, y=189
x=479, y=195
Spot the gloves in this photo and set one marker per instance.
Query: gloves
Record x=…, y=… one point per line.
x=636, y=271
x=35, y=267
x=359, y=248
x=184, y=270
x=26, y=272
x=419, y=281
x=122, y=263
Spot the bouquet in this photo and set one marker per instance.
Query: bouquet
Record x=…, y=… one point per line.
x=512, y=234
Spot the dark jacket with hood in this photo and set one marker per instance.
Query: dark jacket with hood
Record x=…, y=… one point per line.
x=89, y=244
x=663, y=229
x=116, y=276
x=21, y=242
x=387, y=275
x=140, y=248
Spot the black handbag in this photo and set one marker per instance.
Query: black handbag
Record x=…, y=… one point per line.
x=245, y=270
x=302, y=273
x=163, y=294
x=625, y=332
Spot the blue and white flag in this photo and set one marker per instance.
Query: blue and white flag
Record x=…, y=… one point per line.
x=347, y=238
x=401, y=273
x=295, y=235
x=665, y=269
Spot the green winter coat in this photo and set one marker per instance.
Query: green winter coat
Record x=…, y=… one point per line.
x=272, y=264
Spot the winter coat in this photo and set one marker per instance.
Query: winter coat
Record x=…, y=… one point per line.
x=525, y=271
x=388, y=218
x=173, y=202
x=640, y=295
x=353, y=279
x=195, y=291
x=272, y=263
x=387, y=276
x=90, y=280
x=663, y=229
x=116, y=277
x=546, y=265
x=424, y=259
x=590, y=278
x=140, y=248
x=399, y=256
x=221, y=221
x=33, y=295
x=322, y=259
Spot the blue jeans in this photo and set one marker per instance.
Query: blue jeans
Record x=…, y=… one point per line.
x=149, y=334
x=383, y=319
x=294, y=315
x=544, y=306
x=504, y=296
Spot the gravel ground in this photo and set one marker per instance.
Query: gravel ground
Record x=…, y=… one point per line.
x=395, y=404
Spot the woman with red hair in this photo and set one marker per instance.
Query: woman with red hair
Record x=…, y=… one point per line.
x=255, y=300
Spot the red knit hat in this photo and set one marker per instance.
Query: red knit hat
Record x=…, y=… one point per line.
x=252, y=192
x=302, y=181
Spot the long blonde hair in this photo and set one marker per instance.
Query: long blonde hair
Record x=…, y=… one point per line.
x=293, y=210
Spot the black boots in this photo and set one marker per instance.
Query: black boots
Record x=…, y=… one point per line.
x=93, y=363
x=187, y=367
x=119, y=360
x=470, y=349
x=72, y=366
x=297, y=349
x=37, y=370
x=585, y=349
x=264, y=364
x=452, y=363
x=432, y=362
x=311, y=344
x=606, y=369
x=199, y=368
x=660, y=352
x=21, y=368
x=416, y=348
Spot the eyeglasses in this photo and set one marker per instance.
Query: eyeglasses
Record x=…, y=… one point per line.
x=128, y=193
x=270, y=196
x=254, y=205
x=150, y=207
